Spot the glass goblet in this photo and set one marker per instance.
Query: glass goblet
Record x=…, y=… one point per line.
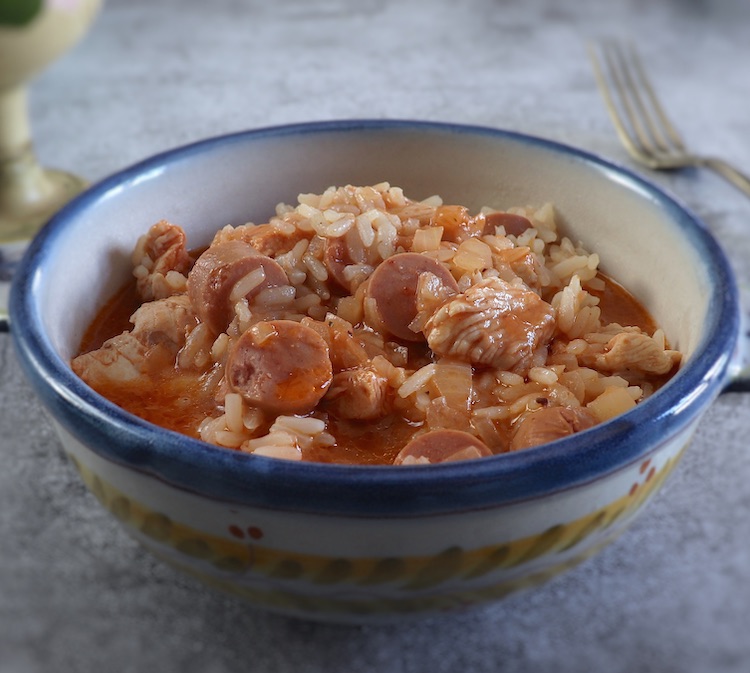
x=33, y=33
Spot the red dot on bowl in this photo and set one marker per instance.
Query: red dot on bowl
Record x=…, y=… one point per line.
x=255, y=532
x=651, y=473
x=645, y=465
x=236, y=531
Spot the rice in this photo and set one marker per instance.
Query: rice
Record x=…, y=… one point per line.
x=246, y=285
x=545, y=375
x=288, y=436
x=316, y=267
x=275, y=296
x=197, y=349
x=219, y=346
x=417, y=381
x=365, y=229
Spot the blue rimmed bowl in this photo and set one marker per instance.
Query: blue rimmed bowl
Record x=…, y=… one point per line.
x=363, y=543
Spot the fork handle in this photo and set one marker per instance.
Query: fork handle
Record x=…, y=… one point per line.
x=730, y=173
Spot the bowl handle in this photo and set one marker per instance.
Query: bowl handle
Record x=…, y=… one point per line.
x=739, y=381
x=11, y=252
x=4, y=296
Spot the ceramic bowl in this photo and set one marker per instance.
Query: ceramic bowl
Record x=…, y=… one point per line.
x=349, y=543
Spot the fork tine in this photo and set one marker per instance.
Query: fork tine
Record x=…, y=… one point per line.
x=631, y=101
x=652, y=140
x=620, y=124
x=656, y=106
x=638, y=116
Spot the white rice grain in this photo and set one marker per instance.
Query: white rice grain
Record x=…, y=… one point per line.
x=577, y=346
x=252, y=419
x=245, y=285
x=308, y=205
x=434, y=201
x=229, y=439
x=219, y=346
x=233, y=413
x=544, y=375
x=280, y=295
x=195, y=353
x=417, y=381
x=316, y=267
x=365, y=228
x=570, y=266
x=280, y=452
x=298, y=425
x=510, y=378
x=243, y=314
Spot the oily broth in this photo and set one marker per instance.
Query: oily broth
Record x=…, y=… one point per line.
x=619, y=306
x=113, y=318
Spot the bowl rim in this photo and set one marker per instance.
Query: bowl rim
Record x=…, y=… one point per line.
x=374, y=491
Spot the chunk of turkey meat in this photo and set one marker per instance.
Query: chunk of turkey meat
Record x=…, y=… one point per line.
x=358, y=394
x=161, y=250
x=159, y=330
x=493, y=323
x=634, y=351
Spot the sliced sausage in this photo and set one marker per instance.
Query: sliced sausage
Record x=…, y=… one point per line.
x=344, y=251
x=550, y=423
x=336, y=258
x=215, y=273
x=393, y=287
x=442, y=446
x=280, y=366
x=514, y=224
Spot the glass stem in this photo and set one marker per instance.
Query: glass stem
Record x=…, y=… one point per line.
x=22, y=180
x=15, y=131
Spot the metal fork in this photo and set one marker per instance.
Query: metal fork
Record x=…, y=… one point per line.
x=640, y=120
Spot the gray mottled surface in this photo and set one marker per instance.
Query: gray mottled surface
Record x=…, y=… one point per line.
x=671, y=595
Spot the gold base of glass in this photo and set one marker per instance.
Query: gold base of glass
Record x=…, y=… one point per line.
x=21, y=219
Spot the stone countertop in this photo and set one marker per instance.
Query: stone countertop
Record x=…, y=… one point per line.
x=672, y=594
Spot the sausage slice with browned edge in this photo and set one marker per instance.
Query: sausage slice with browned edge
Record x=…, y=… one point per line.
x=442, y=446
x=280, y=366
x=393, y=287
x=217, y=271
